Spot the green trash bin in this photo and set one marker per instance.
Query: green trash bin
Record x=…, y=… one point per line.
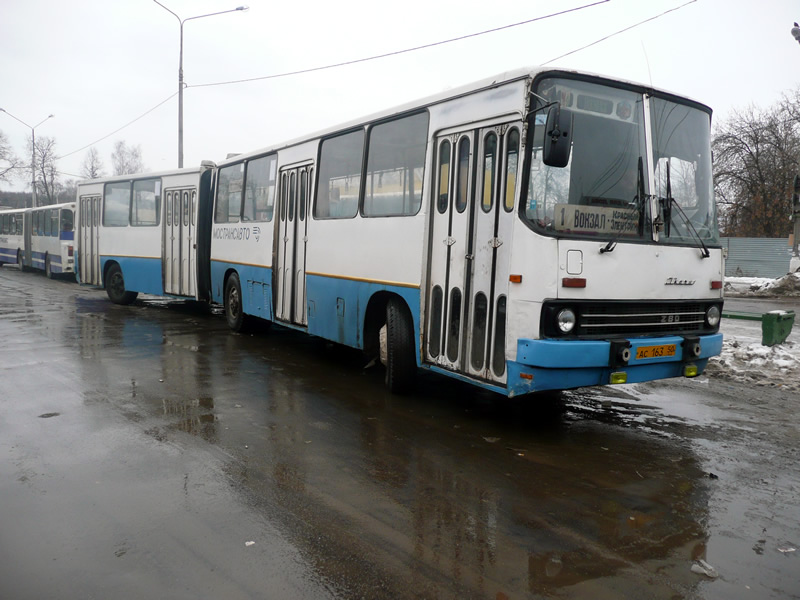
x=776, y=326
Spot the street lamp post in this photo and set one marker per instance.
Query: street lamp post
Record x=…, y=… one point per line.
x=180, y=70
x=33, y=151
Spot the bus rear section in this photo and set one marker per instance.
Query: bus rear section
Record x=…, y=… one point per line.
x=12, y=238
x=145, y=234
x=52, y=239
x=41, y=238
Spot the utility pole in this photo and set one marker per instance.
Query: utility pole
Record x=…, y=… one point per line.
x=181, y=85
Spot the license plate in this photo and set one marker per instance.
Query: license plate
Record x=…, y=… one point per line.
x=655, y=351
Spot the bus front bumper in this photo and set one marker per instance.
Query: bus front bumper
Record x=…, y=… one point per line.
x=564, y=364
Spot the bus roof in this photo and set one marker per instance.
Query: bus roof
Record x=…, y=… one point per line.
x=145, y=175
x=446, y=95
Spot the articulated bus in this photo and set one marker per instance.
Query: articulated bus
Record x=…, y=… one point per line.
x=142, y=234
x=540, y=230
x=41, y=238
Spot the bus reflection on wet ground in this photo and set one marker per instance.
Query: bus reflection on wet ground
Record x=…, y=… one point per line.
x=446, y=489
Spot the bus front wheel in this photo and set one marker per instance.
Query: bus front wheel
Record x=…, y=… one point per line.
x=401, y=362
x=115, y=287
x=234, y=313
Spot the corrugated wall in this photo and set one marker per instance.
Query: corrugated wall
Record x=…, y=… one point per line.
x=757, y=257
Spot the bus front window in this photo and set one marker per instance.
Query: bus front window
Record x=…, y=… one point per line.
x=598, y=193
x=682, y=163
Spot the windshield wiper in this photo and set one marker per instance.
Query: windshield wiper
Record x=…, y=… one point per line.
x=666, y=205
x=638, y=204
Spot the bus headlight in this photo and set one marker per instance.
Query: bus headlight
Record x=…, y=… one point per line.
x=712, y=316
x=565, y=319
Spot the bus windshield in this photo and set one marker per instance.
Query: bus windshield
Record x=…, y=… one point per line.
x=682, y=164
x=604, y=192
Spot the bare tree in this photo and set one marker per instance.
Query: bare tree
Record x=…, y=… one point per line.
x=92, y=166
x=126, y=159
x=9, y=162
x=46, y=170
x=67, y=191
x=756, y=156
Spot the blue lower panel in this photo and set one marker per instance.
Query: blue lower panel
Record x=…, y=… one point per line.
x=337, y=307
x=565, y=364
x=8, y=255
x=142, y=275
x=37, y=260
x=256, y=285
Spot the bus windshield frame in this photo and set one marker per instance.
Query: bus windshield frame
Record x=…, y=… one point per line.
x=639, y=168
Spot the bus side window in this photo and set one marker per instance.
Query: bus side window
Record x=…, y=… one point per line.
x=259, y=194
x=54, y=218
x=146, y=206
x=116, y=204
x=395, y=164
x=340, y=162
x=229, y=194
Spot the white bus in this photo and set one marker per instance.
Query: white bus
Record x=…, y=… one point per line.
x=143, y=234
x=41, y=238
x=538, y=230
x=12, y=237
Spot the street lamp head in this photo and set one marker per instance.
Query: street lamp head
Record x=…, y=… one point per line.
x=243, y=8
x=796, y=32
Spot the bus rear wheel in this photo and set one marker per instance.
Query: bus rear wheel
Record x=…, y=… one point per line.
x=401, y=362
x=115, y=287
x=48, y=270
x=19, y=260
x=234, y=312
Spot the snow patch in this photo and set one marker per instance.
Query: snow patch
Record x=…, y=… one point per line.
x=788, y=285
x=776, y=366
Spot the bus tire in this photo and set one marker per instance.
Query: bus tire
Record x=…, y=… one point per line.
x=115, y=286
x=234, y=312
x=19, y=261
x=401, y=361
x=48, y=270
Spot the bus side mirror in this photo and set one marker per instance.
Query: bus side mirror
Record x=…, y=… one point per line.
x=557, y=136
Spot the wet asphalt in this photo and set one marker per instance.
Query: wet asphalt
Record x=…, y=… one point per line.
x=146, y=452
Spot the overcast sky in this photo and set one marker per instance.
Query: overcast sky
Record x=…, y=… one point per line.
x=99, y=64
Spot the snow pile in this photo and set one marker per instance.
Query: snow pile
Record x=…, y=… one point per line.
x=743, y=358
x=776, y=366
x=788, y=285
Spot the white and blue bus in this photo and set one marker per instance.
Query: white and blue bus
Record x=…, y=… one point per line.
x=143, y=234
x=538, y=230
x=41, y=238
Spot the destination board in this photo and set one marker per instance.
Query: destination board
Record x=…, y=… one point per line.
x=598, y=220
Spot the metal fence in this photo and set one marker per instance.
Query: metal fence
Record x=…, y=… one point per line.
x=757, y=257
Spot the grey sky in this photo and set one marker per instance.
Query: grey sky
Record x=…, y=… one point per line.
x=98, y=64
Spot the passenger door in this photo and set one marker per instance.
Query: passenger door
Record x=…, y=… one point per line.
x=291, y=240
x=472, y=218
x=89, y=235
x=179, y=222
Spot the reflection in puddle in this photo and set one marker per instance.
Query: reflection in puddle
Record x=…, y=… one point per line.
x=421, y=495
